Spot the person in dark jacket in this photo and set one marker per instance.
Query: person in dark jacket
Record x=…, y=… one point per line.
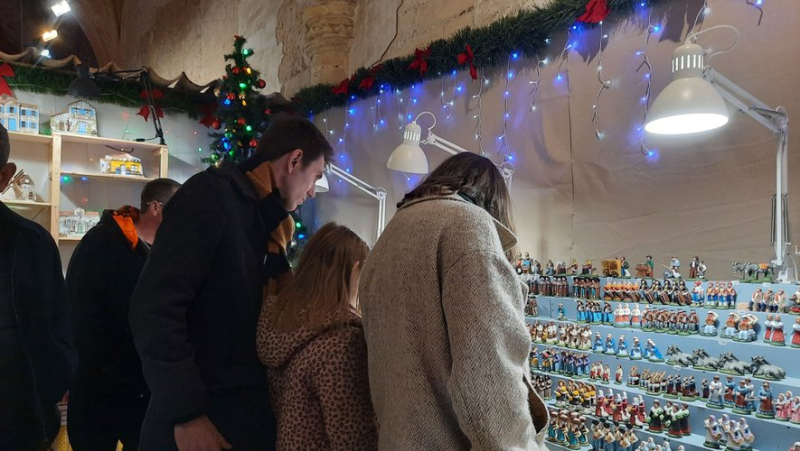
x=36, y=355
x=195, y=309
x=109, y=396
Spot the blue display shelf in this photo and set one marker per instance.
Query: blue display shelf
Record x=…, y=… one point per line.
x=771, y=435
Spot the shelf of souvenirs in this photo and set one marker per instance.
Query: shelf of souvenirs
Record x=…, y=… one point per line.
x=779, y=386
x=696, y=403
x=548, y=305
x=83, y=139
x=691, y=441
x=26, y=204
x=99, y=176
x=30, y=138
x=685, y=339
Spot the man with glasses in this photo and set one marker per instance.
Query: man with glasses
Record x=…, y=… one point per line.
x=109, y=396
x=36, y=354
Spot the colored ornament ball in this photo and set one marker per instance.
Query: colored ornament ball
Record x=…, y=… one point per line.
x=236, y=70
x=241, y=121
x=261, y=84
x=253, y=142
x=216, y=124
x=231, y=96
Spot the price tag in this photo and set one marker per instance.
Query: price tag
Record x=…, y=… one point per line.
x=766, y=285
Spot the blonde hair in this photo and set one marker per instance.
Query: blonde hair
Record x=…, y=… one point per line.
x=319, y=292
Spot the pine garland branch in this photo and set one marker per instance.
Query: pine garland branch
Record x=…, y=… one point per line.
x=524, y=33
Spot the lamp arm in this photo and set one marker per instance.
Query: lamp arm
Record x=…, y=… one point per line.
x=377, y=193
x=776, y=121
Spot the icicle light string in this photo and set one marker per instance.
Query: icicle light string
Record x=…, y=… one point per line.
x=604, y=84
x=479, y=115
x=504, y=146
x=564, y=54
x=648, y=77
x=535, y=83
x=757, y=5
x=447, y=105
x=377, y=118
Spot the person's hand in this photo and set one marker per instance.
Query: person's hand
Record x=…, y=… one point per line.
x=199, y=434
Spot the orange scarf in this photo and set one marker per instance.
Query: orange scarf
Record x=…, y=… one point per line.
x=263, y=180
x=126, y=217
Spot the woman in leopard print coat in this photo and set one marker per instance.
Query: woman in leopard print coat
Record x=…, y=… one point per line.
x=311, y=340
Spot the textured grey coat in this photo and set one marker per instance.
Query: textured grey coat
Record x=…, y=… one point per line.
x=444, y=320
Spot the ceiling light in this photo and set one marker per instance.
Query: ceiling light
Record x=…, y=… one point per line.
x=49, y=35
x=61, y=8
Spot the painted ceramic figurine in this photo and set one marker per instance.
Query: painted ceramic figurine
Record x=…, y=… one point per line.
x=796, y=333
x=765, y=406
x=636, y=348
x=714, y=433
x=778, y=338
x=710, y=327
x=622, y=347
x=652, y=353
x=610, y=346
x=714, y=400
x=654, y=420
x=730, y=326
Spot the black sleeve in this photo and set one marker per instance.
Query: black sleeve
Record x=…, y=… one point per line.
x=86, y=282
x=178, y=264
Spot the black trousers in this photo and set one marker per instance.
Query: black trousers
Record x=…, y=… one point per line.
x=96, y=422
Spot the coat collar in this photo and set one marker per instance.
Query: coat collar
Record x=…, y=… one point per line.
x=507, y=238
x=237, y=178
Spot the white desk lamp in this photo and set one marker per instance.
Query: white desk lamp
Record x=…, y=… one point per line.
x=322, y=186
x=695, y=101
x=409, y=156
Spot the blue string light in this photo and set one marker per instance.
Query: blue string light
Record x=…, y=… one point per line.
x=515, y=55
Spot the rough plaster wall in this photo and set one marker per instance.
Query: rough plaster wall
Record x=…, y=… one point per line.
x=576, y=197
x=192, y=36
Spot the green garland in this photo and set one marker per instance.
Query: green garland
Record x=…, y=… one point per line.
x=524, y=34
x=45, y=81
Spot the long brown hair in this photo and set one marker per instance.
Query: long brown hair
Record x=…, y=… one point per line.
x=474, y=176
x=319, y=292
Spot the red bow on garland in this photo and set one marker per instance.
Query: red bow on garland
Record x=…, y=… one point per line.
x=144, y=111
x=6, y=71
x=420, y=61
x=368, y=81
x=468, y=57
x=343, y=86
x=596, y=12
x=207, y=111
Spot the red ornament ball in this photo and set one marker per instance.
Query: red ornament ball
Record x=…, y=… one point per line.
x=253, y=142
x=241, y=121
x=267, y=111
x=236, y=70
x=231, y=96
x=261, y=84
x=216, y=124
x=224, y=77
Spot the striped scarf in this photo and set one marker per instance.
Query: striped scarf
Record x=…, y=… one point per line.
x=278, y=225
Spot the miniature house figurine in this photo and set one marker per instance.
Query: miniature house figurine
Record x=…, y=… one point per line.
x=121, y=164
x=79, y=119
x=18, y=117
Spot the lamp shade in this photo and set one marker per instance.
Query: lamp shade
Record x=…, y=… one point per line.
x=321, y=185
x=83, y=86
x=690, y=103
x=409, y=156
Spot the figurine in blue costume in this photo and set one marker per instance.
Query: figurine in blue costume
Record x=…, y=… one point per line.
x=636, y=350
x=610, y=347
x=654, y=355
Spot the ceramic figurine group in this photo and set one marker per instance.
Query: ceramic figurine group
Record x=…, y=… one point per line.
x=773, y=331
x=677, y=293
x=542, y=384
x=607, y=437
x=568, y=363
x=767, y=302
x=550, y=286
x=565, y=335
x=622, y=290
x=568, y=429
x=670, y=321
x=621, y=349
x=733, y=435
x=586, y=287
x=575, y=396
x=740, y=328
x=657, y=382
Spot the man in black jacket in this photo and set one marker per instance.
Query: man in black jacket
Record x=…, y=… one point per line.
x=195, y=309
x=109, y=396
x=36, y=355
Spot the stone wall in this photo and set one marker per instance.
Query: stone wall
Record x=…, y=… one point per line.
x=296, y=42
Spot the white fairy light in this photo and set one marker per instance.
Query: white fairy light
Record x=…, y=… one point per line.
x=648, y=76
x=604, y=84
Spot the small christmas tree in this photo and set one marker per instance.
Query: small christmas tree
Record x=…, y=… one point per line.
x=241, y=114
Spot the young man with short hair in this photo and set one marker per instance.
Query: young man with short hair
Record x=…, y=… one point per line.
x=195, y=309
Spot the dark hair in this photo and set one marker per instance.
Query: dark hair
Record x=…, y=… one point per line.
x=474, y=176
x=158, y=190
x=5, y=146
x=286, y=134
